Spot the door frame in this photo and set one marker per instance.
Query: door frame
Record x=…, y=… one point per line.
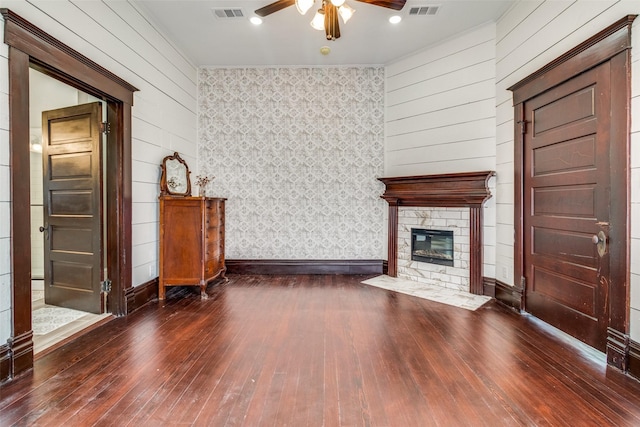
x=611, y=44
x=29, y=46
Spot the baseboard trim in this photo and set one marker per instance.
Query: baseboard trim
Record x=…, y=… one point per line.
x=618, y=353
x=508, y=295
x=289, y=266
x=21, y=349
x=489, y=287
x=5, y=363
x=633, y=363
x=137, y=296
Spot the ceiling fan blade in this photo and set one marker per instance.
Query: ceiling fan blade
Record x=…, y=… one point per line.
x=390, y=4
x=274, y=7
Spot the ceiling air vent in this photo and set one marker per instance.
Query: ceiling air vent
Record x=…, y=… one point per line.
x=423, y=10
x=228, y=13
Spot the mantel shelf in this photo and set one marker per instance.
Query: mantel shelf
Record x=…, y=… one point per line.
x=467, y=189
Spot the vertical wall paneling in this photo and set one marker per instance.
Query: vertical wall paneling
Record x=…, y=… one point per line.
x=5, y=208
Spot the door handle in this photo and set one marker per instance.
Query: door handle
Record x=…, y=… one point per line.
x=45, y=230
x=600, y=240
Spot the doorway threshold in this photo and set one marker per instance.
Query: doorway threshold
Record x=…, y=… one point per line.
x=46, y=343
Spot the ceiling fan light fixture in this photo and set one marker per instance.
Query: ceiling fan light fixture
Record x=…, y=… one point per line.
x=318, y=20
x=346, y=12
x=304, y=5
x=337, y=3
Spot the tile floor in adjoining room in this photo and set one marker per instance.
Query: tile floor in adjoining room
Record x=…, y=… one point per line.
x=53, y=324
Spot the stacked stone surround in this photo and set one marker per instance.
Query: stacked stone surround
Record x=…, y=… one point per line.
x=451, y=219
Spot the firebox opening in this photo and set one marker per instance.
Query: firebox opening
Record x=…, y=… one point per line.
x=432, y=246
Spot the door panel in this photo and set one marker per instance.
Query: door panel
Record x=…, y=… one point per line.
x=573, y=107
x=77, y=165
x=578, y=154
x=551, y=201
x=566, y=178
x=567, y=246
x=571, y=291
x=73, y=208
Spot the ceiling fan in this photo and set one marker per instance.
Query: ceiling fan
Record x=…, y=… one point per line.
x=327, y=16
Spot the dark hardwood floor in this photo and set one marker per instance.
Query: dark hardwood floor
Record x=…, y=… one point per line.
x=319, y=351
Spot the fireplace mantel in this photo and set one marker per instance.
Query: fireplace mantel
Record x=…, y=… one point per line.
x=467, y=189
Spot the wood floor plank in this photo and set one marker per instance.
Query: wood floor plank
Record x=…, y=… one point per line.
x=436, y=375
x=192, y=338
x=69, y=400
x=608, y=402
x=154, y=362
x=321, y=350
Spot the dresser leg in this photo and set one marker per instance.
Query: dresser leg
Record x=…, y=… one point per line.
x=203, y=291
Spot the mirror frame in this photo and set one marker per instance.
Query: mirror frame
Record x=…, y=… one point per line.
x=164, y=187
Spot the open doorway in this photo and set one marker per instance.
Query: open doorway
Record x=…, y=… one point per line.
x=73, y=301
x=31, y=47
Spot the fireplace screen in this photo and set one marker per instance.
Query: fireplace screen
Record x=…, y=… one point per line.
x=432, y=246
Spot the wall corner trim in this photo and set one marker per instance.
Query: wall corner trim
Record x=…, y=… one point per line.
x=137, y=296
x=510, y=296
x=633, y=361
x=618, y=349
x=5, y=363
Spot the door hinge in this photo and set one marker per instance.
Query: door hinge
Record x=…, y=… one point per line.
x=523, y=282
x=105, y=286
x=523, y=126
x=105, y=127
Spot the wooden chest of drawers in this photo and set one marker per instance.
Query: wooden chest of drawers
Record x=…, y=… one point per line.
x=191, y=242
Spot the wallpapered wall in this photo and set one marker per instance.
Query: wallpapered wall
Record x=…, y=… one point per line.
x=297, y=152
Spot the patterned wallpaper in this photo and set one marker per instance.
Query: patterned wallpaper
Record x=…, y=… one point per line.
x=297, y=152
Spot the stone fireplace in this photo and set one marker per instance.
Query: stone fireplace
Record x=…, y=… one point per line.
x=456, y=274
x=450, y=202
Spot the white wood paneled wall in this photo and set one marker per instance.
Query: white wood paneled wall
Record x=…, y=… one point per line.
x=5, y=196
x=118, y=36
x=530, y=35
x=440, y=108
x=440, y=115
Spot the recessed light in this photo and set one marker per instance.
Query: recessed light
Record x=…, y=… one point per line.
x=395, y=19
x=255, y=20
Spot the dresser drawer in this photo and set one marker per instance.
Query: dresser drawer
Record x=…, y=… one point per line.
x=212, y=236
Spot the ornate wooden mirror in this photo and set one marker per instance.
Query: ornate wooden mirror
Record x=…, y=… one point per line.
x=175, y=176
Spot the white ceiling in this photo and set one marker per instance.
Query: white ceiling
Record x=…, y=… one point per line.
x=286, y=39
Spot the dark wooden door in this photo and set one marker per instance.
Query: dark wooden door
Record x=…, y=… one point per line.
x=72, y=207
x=567, y=203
